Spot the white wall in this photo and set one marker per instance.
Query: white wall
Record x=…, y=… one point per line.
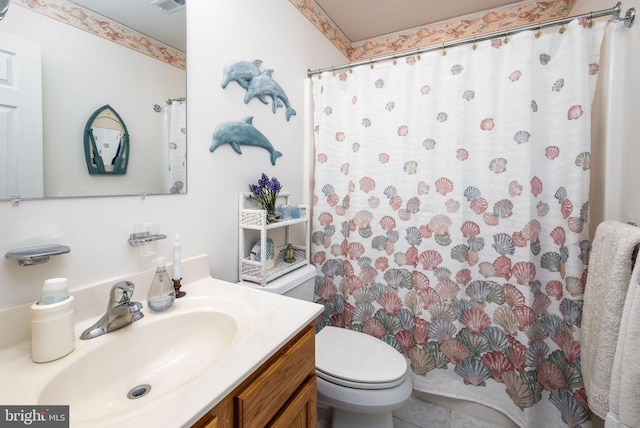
x=630, y=158
x=614, y=191
x=96, y=229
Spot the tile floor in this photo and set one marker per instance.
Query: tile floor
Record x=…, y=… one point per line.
x=418, y=413
x=423, y=414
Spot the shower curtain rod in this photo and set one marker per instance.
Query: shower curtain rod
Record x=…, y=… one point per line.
x=157, y=108
x=614, y=11
x=177, y=100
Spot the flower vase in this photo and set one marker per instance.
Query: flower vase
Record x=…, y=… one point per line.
x=272, y=216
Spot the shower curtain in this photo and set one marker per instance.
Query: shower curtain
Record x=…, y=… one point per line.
x=177, y=147
x=450, y=215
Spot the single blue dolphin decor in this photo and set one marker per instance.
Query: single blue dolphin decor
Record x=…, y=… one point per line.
x=263, y=86
x=241, y=72
x=242, y=132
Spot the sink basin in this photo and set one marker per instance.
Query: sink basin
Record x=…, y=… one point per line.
x=147, y=362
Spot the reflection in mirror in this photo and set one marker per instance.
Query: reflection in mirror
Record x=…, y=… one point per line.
x=106, y=142
x=88, y=61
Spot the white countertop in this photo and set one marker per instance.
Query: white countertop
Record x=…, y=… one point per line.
x=271, y=320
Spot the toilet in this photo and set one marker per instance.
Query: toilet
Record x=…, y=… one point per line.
x=361, y=378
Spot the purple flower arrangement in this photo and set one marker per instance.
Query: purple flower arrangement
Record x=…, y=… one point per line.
x=266, y=192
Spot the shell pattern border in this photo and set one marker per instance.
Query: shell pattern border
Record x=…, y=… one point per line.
x=490, y=21
x=91, y=22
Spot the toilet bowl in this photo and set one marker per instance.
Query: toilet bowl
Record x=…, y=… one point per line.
x=361, y=378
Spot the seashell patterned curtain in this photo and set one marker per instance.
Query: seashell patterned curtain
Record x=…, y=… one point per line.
x=450, y=210
x=177, y=133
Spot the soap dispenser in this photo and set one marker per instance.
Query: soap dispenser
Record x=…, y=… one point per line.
x=161, y=294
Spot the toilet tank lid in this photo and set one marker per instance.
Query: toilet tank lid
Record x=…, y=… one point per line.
x=358, y=357
x=286, y=282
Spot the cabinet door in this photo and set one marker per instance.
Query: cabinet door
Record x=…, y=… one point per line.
x=260, y=401
x=281, y=393
x=301, y=411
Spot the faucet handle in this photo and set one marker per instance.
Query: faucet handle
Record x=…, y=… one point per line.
x=121, y=292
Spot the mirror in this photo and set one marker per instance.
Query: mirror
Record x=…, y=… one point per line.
x=125, y=54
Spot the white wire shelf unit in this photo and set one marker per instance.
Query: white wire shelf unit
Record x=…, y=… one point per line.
x=252, y=218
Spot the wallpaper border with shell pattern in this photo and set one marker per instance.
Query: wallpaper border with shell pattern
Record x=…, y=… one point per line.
x=91, y=22
x=487, y=22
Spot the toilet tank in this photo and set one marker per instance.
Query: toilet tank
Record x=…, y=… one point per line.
x=298, y=284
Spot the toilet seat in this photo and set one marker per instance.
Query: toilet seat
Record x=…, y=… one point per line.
x=357, y=360
x=359, y=385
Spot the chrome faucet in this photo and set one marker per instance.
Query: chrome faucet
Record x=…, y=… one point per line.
x=121, y=311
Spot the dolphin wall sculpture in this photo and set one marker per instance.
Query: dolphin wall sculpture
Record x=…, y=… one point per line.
x=263, y=86
x=241, y=72
x=257, y=83
x=242, y=132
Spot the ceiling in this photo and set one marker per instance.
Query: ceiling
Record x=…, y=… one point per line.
x=366, y=19
x=142, y=16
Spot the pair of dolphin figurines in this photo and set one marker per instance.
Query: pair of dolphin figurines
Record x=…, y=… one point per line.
x=259, y=84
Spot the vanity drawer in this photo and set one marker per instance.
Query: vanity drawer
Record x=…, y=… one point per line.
x=270, y=391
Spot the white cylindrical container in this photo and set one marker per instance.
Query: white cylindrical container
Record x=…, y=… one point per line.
x=52, y=330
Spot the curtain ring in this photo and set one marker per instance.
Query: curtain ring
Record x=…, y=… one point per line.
x=590, y=21
x=444, y=52
x=418, y=54
x=506, y=38
x=394, y=59
x=474, y=46
x=539, y=32
x=371, y=63
x=333, y=71
x=562, y=29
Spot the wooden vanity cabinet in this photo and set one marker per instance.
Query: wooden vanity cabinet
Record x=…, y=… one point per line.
x=281, y=393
